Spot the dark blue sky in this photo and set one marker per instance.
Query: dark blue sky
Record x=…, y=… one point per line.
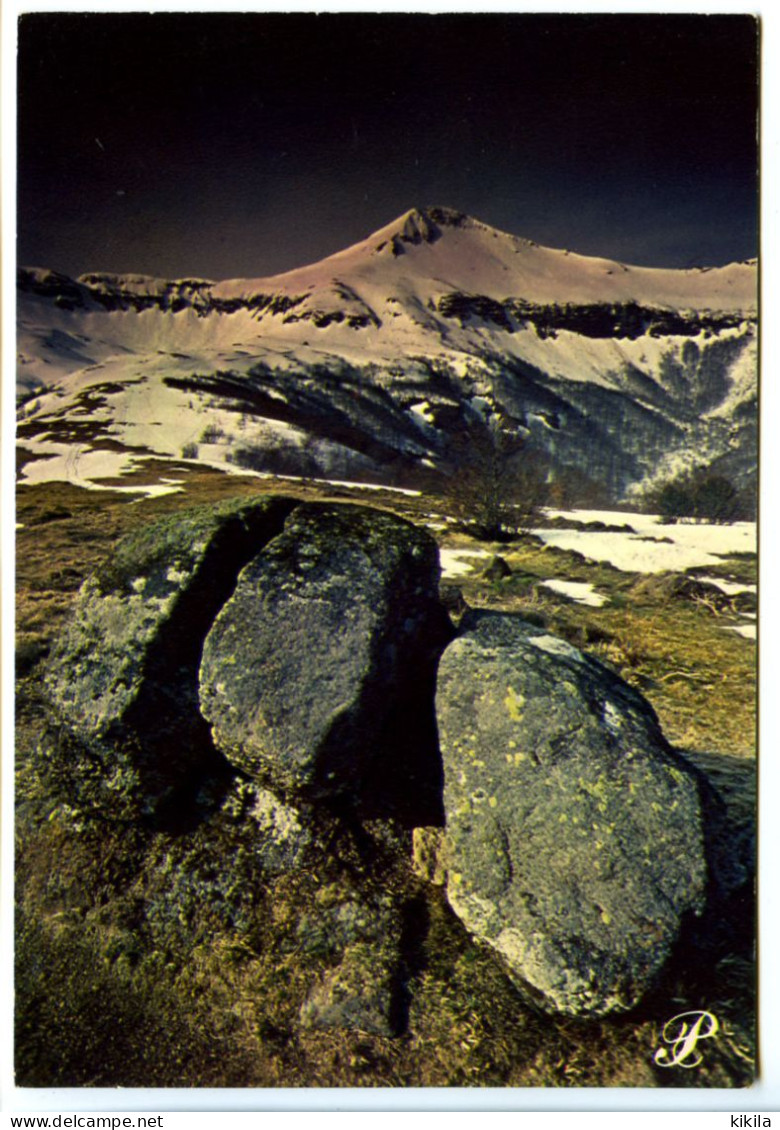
x=235, y=145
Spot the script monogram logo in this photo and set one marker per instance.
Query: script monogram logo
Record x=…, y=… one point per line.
x=682, y=1033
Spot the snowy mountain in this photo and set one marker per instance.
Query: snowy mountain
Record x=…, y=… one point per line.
x=369, y=363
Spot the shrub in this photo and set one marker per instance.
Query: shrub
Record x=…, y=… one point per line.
x=212, y=433
x=699, y=496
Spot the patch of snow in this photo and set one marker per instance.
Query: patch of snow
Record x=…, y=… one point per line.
x=609, y=517
x=454, y=563
x=582, y=592
x=729, y=587
x=75, y=464
x=323, y=482
x=688, y=545
x=746, y=630
x=365, y=486
x=84, y=467
x=151, y=490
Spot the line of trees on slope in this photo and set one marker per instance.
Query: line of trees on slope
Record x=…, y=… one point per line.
x=500, y=486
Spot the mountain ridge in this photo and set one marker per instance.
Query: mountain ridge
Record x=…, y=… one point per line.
x=418, y=227
x=377, y=356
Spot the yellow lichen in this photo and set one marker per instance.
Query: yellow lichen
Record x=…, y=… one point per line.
x=514, y=703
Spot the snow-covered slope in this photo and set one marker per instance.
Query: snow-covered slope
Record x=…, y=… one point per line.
x=367, y=360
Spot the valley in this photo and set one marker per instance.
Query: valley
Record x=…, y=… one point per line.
x=373, y=364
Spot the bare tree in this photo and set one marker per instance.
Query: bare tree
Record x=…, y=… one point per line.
x=498, y=486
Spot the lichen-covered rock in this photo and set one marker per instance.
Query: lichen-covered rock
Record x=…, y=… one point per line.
x=496, y=569
x=342, y=915
x=359, y=933
x=123, y=677
x=217, y=875
x=360, y=994
x=279, y=834
x=318, y=674
x=677, y=586
x=574, y=833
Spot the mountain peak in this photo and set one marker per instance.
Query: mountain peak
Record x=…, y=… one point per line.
x=419, y=225
x=436, y=216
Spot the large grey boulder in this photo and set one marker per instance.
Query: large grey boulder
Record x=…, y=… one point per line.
x=574, y=833
x=318, y=674
x=123, y=677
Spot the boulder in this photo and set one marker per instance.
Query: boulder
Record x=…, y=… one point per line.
x=678, y=586
x=318, y=675
x=359, y=994
x=123, y=677
x=452, y=599
x=497, y=569
x=574, y=832
x=359, y=933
